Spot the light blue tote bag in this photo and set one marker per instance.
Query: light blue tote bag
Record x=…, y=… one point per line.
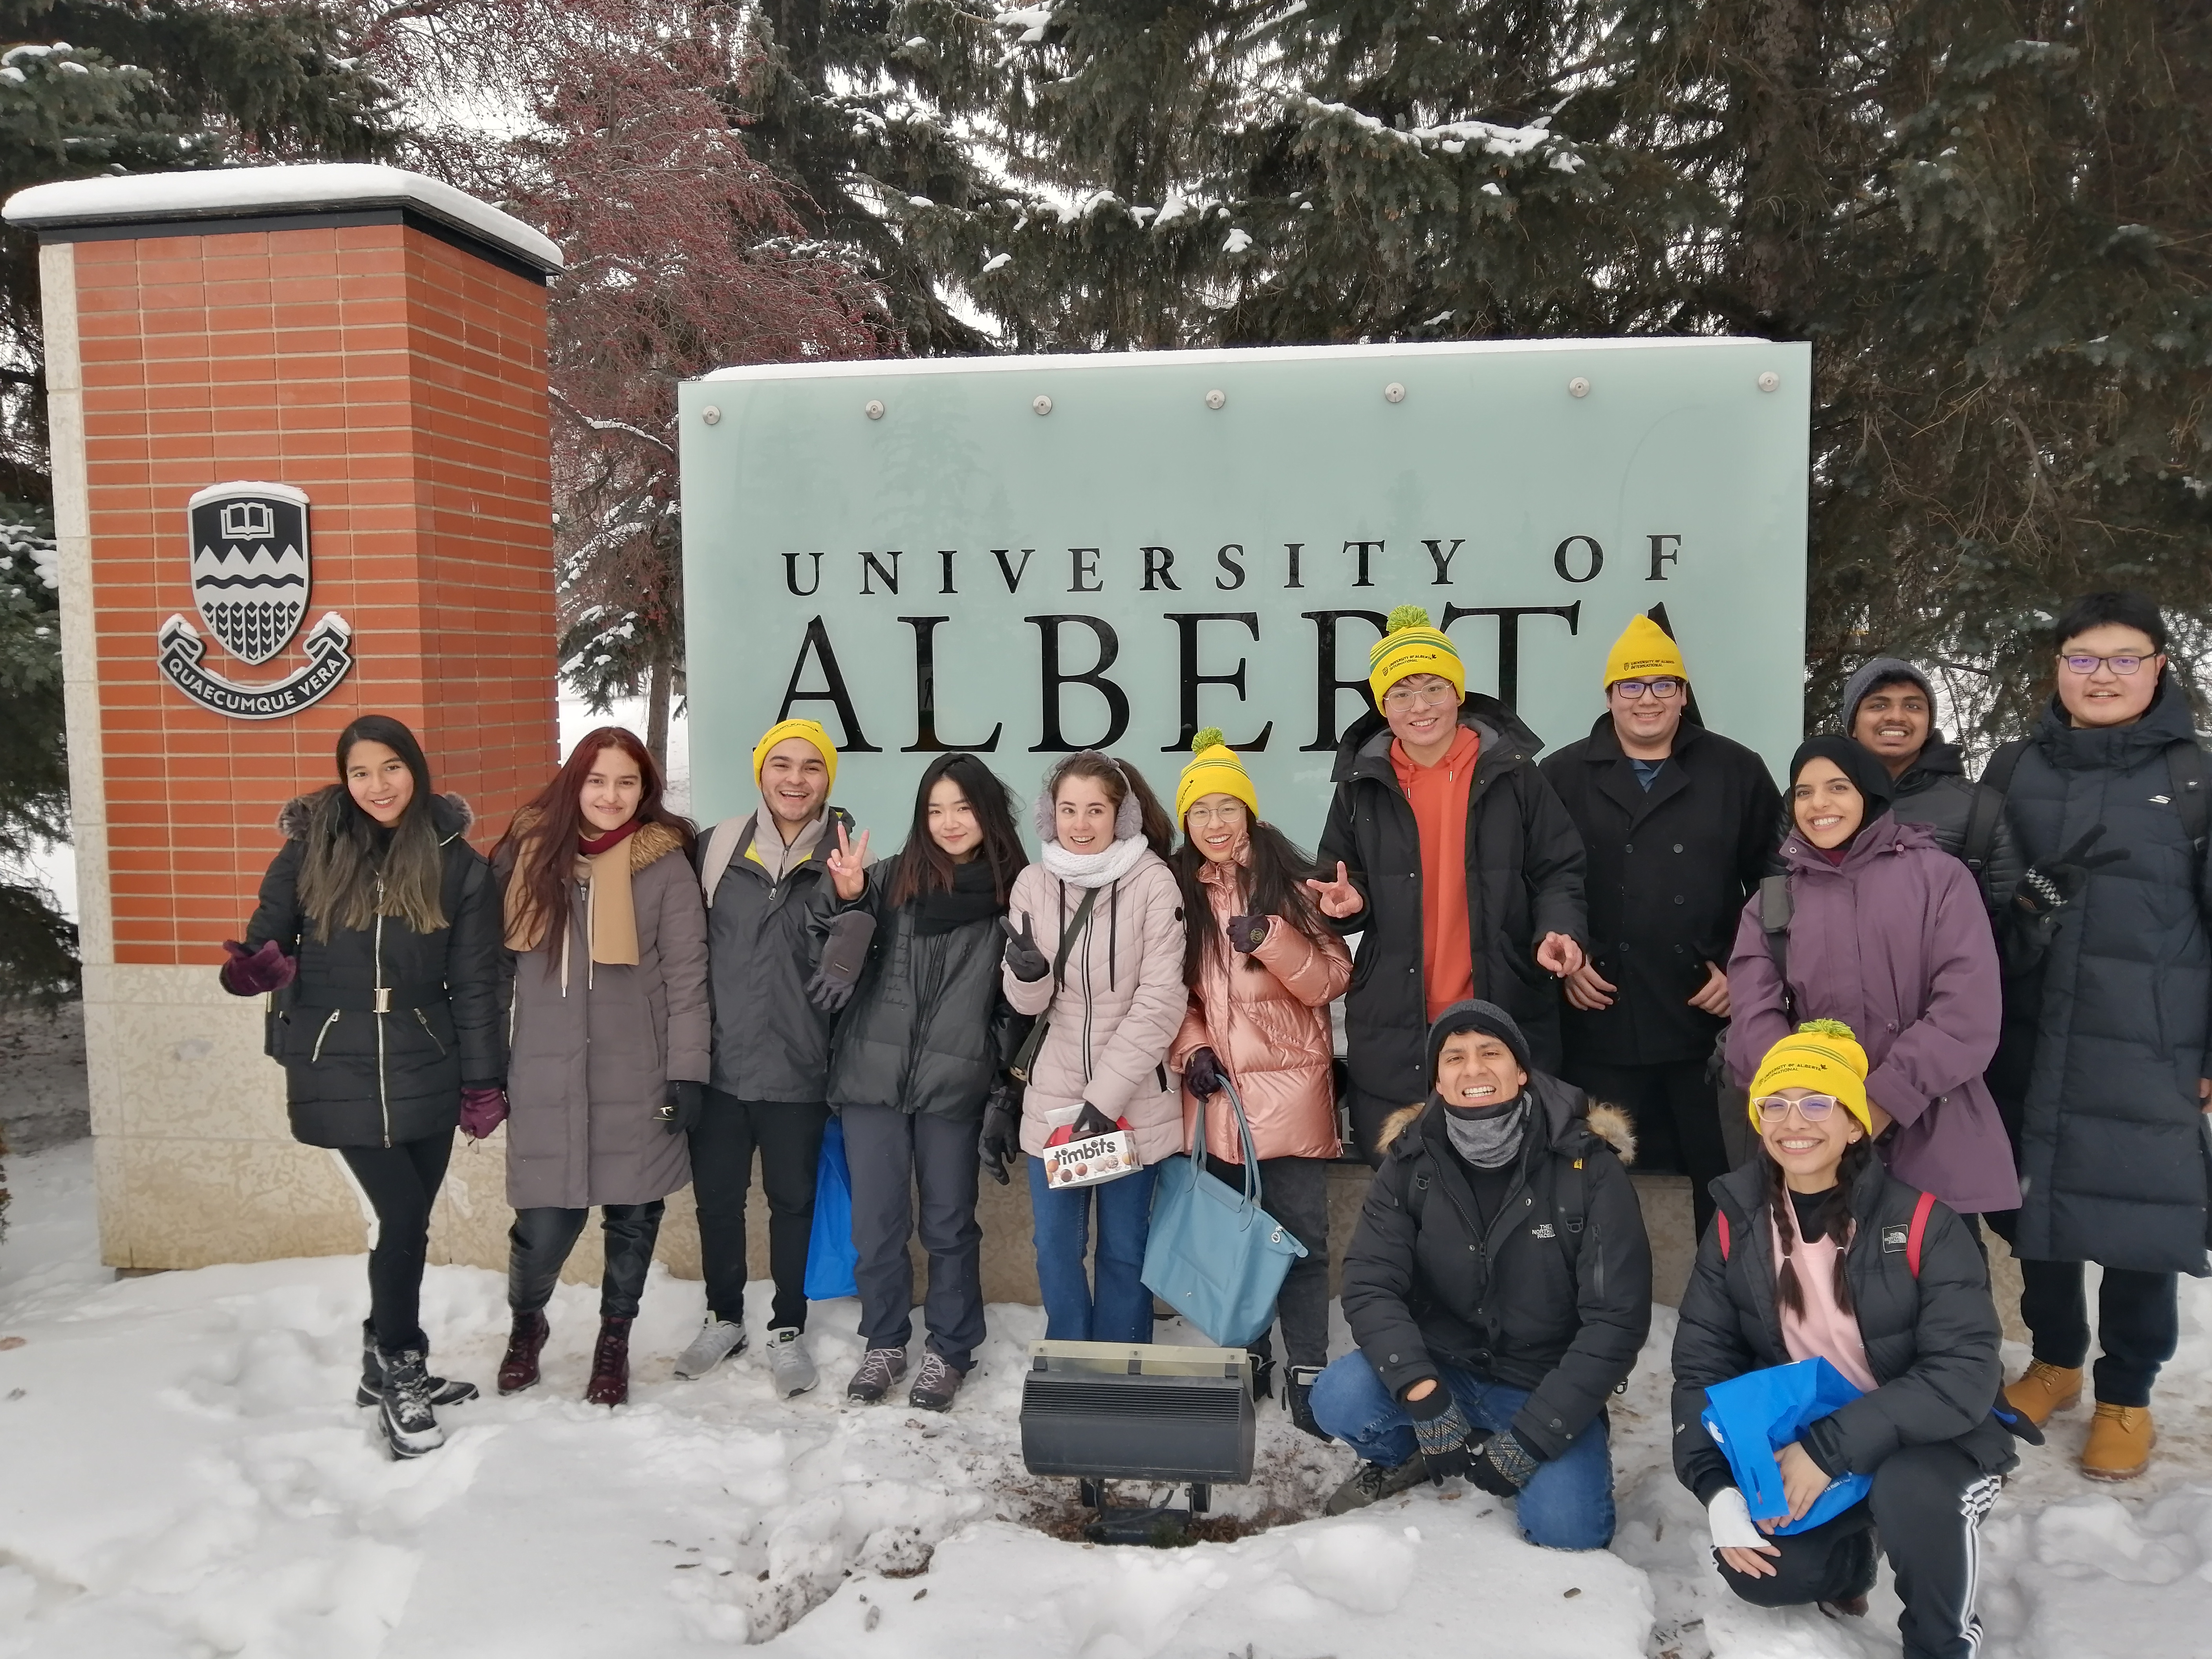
x=1214, y=1256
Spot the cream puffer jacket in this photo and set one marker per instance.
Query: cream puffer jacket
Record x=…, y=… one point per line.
x=1115, y=1010
x=1269, y=1026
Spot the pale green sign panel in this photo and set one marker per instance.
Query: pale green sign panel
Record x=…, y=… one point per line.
x=1026, y=555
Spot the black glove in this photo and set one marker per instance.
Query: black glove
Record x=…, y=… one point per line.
x=1444, y=1431
x=1503, y=1466
x=681, y=1109
x=1029, y=964
x=2049, y=888
x=1091, y=1122
x=1001, y=1142
x=1202, y=1074
x=844, y=954
x=1245, y=932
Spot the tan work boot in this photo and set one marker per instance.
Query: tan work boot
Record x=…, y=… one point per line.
x=2044, y=1390
x=2120, y=1439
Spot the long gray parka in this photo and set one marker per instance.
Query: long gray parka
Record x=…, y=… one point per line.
x=592, y=1057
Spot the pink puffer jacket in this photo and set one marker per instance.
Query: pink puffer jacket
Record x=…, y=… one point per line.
x=1117, y=1009
x=1269, y=1026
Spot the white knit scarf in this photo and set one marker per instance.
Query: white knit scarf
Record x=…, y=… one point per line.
x=1094, y=869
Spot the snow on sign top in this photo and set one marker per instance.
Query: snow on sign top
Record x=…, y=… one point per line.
x=312, y=188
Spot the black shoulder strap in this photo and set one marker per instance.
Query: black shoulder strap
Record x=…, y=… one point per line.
x=1070, y=930
x=1775, y=907
x=2184, y=766
x=1988, y=809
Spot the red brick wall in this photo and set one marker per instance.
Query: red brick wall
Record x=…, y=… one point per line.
x=401, y=383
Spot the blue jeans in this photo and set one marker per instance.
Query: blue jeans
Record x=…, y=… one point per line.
x=1567, y=1504
x=1121, y=1310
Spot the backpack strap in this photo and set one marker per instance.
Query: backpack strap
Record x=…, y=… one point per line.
x=2185, y=767
x=1721, y=1216
x=1775, y=909
x=1920, y=1209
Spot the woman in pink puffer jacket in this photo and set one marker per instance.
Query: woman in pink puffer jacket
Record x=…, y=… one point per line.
x=1113, y=1009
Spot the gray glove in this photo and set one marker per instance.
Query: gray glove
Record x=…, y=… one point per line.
x=844, y=956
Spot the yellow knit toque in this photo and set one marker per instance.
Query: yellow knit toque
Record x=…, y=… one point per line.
x=1410, y=646
x=810, y=730
x=1214, y=769
x=1642, y=651
x=1823, y=1055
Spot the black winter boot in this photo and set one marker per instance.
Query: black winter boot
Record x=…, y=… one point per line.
x=443, y=1391
x=410, y=1428
x=1298, y=1394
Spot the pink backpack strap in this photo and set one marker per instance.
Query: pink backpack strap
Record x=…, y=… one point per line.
x=1721, y=1216
x=1919, y=1231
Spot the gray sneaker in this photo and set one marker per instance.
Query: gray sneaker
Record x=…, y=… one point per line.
x=789, y=1365
x=717, y=1340
x=1375, y=1482
x=880, y=1368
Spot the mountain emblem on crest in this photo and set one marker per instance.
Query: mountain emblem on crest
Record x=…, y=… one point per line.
x=250, y=565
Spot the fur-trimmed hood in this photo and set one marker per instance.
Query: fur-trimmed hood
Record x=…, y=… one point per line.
x=1568, y=1109
x=650, y=844
x=449, y=813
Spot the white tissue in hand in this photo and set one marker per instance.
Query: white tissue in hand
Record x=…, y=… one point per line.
x=1730, y=1516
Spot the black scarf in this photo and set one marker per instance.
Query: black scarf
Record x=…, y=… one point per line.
x=973, y=897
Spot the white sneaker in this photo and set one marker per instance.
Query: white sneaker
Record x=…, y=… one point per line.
x=789, y=1365
x=717, y=1340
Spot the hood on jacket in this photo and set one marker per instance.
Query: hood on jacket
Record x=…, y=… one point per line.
x=449, y=814
x=1366, y=742
x=2081, y=748
x=1886, y=833
x=1937, y=759
x=1564, y=1108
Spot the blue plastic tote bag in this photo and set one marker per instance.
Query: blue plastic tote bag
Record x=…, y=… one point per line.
x=1213, y=1254
x=831, y=1257
x=1753, y=1416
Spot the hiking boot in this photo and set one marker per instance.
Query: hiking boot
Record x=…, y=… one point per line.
x=880, y=1368
x=1375, y=1482
x=443, y=1391
x=518, y=1367
x=717, y=1340
x=410, y=1427
x=610, y=1383
x=790, y=1367
x=1297, y=1394
x=2120, y=1439
x=2044, y=1390
x=935, y=1384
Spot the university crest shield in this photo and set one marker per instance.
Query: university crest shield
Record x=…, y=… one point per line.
x=250, y=565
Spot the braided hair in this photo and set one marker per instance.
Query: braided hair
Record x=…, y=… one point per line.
x=1832, y=1220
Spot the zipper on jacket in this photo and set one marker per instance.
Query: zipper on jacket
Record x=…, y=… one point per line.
x=423, y=1020
x=383, y=1091
x=320, y=1035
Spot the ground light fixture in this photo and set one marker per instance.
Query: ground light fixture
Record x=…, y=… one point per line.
x=1126, y=1410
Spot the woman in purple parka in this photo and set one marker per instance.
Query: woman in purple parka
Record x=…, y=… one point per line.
x=1888, y=934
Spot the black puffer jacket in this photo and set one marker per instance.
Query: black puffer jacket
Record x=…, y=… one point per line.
x=1670, y=869
x=1935, y=791
x=1522, y=1302
x=1525, y=879
x=354, y=1077
x=2104, y=1042
x=1931, y=1342
x=928, y=1029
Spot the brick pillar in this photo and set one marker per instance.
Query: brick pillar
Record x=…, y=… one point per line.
x=377, y=341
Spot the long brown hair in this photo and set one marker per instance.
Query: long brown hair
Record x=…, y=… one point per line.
x=923, y=866
x=1274, y=883
x=540, y=843
x=1118, y=779
x=1834, y=1216
x=351, y=874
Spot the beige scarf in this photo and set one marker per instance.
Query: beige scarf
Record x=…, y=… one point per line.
x=610, y=916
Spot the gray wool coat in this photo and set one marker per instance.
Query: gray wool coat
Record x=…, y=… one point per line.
x=589, y=1069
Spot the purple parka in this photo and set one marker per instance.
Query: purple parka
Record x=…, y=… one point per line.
x=1895, y=942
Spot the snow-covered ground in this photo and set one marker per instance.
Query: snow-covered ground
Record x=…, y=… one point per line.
x=182, y=1473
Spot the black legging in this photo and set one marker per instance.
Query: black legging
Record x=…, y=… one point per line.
x=402, y=1183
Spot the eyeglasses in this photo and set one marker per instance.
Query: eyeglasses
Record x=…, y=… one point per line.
x=1814, y=1107
x=2085, y=666
x=1398, y=699
x=1633, y=691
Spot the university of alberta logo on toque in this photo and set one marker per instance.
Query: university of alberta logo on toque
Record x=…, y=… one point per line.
x=250, y=580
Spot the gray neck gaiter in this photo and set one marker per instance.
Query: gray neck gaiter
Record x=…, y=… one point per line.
x=1488, y=1137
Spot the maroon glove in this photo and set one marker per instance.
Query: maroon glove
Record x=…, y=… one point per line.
x=253, y=973
x=1246, y=932
x=483, y=1110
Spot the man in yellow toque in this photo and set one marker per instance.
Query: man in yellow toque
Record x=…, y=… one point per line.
x=1679, y=822
x=1451, y=857
x=771, y=1078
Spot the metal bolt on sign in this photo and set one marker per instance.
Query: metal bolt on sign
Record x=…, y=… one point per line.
x=1393, y=393
x=711, y=415
x=1216, y=398
x=1769, y=380
x=1578, y=387
x=1042, y=404
x=873, y=409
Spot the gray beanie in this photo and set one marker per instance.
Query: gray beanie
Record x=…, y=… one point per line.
x=1871, y=674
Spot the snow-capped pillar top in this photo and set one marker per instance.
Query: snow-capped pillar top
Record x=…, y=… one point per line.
x=333, y=194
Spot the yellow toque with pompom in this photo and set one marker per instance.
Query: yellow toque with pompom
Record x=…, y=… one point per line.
x=1410, y=646
x=1214, y=769
x=1823, y=1055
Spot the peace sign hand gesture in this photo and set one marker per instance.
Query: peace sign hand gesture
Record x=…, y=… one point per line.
x=1339, y=898
x=848, y=865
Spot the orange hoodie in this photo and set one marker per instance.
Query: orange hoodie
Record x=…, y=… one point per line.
x=1438, y=795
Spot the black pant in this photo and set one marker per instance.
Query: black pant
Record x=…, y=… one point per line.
x=789, y=1136
x=2138, y=1324
x=1295, y=1191
x=1927, y=1505
x=1677, y=1118
x=541, y=1238
x=402, y=1183
x=890, y=1153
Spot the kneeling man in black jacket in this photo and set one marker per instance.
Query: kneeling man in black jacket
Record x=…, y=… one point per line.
x=1500, y=1287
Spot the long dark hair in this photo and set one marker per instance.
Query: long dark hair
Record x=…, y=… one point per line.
x=923, y=866
x=1274, y=886
x=541, y=839
x=1119, y=780
x=348, y=855
x=1834, y=1216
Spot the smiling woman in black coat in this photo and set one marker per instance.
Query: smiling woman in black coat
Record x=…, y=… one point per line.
x=378, y=934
